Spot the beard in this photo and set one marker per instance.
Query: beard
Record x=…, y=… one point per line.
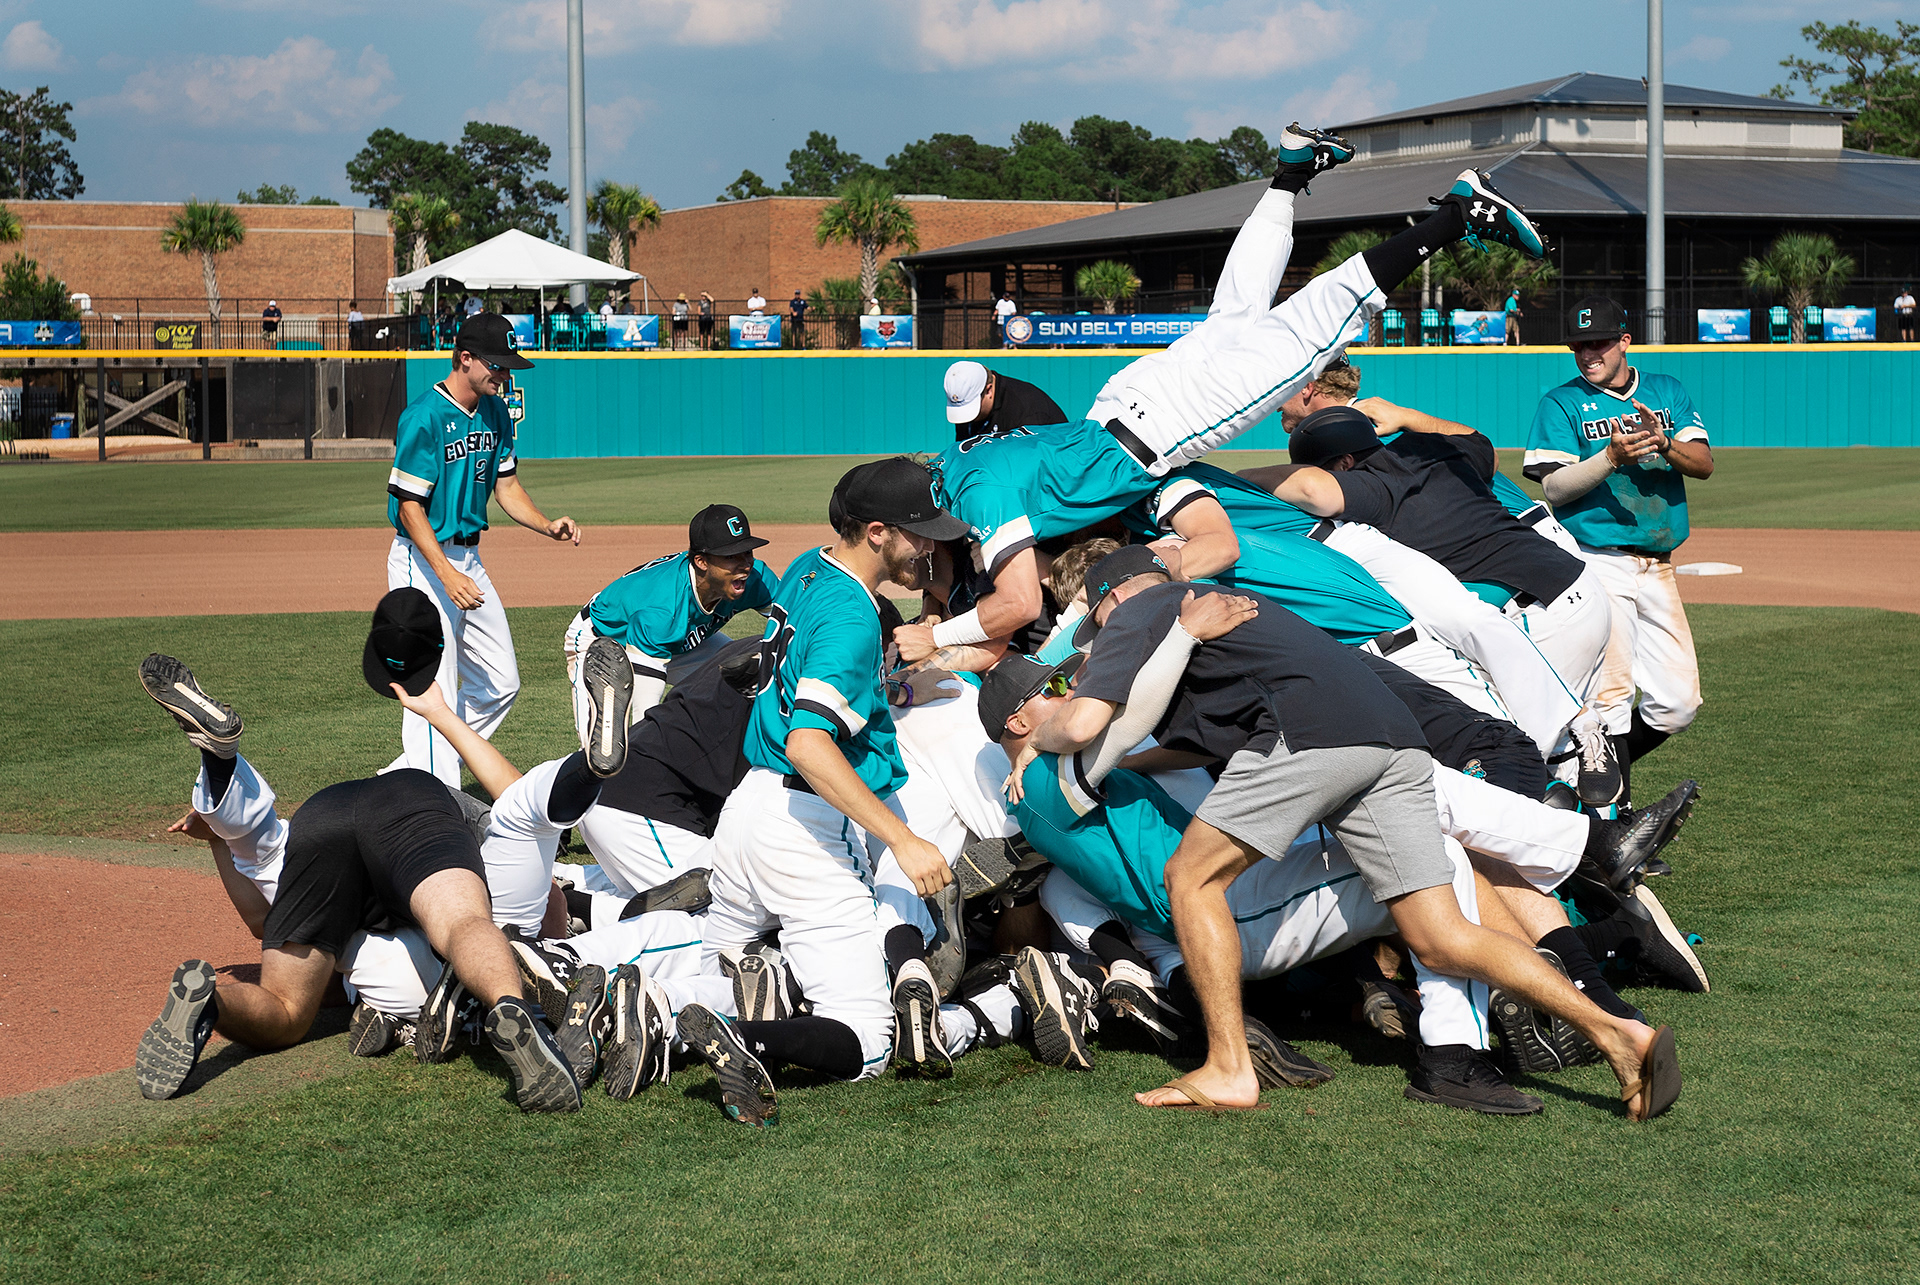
x=909, y=571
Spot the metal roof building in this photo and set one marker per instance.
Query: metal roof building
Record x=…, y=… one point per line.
x=1571, y=150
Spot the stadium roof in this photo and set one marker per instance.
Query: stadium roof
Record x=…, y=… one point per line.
x=1587, y=89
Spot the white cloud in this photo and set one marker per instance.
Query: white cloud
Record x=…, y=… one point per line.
x=616, y=26
x=304, y=85
x=1703, y=49
x=1353, y=95
x=28, y=47
x=540, y=108
x=977, y=33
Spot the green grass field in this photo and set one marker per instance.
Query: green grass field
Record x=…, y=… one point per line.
x=1856, y=490
x=1790, y=1157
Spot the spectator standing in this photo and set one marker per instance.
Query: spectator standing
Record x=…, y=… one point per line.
x=1001, y=311
x=706, y=320
x=756, y=302
x=680, y=314
x=472, y=307
x=1903, y=309
x=606, y=308
x=873, y=306
x=356, y=324
x=1513, y=316
x=797, y=314
x=270, y=320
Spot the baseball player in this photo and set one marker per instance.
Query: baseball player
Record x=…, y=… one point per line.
x=453, y=450
x=1308, y=734
x=1171, y=407
x=983, y=401
x=669, y=613
x=798, y=842
x=1617, y=481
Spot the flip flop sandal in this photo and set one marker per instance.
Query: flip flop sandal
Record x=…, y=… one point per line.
x=1659, y=1076
x=1200, y=1102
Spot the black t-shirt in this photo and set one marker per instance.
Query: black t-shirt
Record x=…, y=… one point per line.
x=684, y=757
x=1454, y=729
x=1275, y=676
x=1430, y=492
x=797, y=308
x=1016, y=404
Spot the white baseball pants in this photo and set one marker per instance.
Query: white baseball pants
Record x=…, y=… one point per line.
x=954, y=773
x=1432, y=661
x=1544, y=844
x=1531, y=690
x=652, y=675
x=521, y=844
x=478, y=673
x=1572, y=631
x=784, y=858
x=667, y=946
x=637, y=853
x=1237, y=367
x=1650, y=645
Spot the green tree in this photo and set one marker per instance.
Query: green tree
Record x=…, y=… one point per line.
x=745, y=188
x=392, y=164
x=490, y=177
x=1799, y=269
x=10, y=229
x=1247, y=154
x=1487, y=277
x=208, y=229
x=421, y=221
x=820, y=168
x=25, y=295
x=1877, y=75
x=619, y=209
x=840, y=300
x=35, y=164
x=868, y=214
x=953, y=165
x=270, y=194
x=1107, y=280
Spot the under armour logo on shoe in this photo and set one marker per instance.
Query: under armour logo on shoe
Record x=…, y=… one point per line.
x=719, y=1059
x=1321, y=160
x=1480, y=207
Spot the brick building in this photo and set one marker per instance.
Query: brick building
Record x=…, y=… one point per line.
x=729, y=248
x=312, y=259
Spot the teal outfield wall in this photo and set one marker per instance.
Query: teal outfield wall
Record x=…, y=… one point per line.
x=872, y=403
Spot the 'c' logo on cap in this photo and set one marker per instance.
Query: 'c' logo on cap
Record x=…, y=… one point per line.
x=1586, y=318
x=733, y=526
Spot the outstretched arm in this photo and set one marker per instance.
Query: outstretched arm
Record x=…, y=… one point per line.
x=488, y=765
x=1389, y=419
x=520, y=507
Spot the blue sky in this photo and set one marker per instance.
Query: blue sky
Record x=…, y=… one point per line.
x=206, y=98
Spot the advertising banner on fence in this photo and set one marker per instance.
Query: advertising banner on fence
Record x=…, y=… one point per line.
x=1479, y=327
x=1847, y=325
x=39, y=334
x=1136, y=329
x=175, y=336
x=753, y=332
x=630, y=330
x=886, y=332
x=526, y=329
x=1725, y=325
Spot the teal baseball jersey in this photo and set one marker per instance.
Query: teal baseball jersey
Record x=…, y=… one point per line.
x=1643, y=506
x=448, y=460
x=653, y=608
x=1322, y=586
x=1249, y=506
x=1115, y=844
x=1018, y=488
x=1511, y=497
x=821, y=666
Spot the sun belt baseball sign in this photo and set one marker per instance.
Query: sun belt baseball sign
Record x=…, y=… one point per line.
x=1139, y=329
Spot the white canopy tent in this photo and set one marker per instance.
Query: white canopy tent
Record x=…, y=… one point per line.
x=515, y=260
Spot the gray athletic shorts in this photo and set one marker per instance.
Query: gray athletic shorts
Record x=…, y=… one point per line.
x=1378, y=801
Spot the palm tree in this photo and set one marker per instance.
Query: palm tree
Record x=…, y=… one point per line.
x=870, y=215
x=1800, y=268
x=1344, y=247
x=418, y=218
x=620, y=209
x=10, y=229
x=1108, y=280
x=1487, y=278
x=207, y=229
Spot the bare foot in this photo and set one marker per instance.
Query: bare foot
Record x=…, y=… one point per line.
x=1223, y=1088
x=1629, y=1064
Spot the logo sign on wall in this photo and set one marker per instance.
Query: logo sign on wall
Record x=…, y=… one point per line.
x=1479, y=327
x=1847, y=325
x=176, y=335
x=631, y=330
x=753, y=332
x=886, y=332
x=1726, y=325
x=1140, y=329
x=526, y=329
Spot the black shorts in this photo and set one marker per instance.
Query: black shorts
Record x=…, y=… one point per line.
x=357, y=850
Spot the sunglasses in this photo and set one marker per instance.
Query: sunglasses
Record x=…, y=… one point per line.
x=1058, y=685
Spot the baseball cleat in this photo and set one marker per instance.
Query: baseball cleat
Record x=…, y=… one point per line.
x=371, y=1032
x=1600, y=778
x=637, y=1043
x=607, y=675
x=173, y=1044
x=1311, y=151
x=1056, y=1000
x=1388, y=1009
x=1277, y=1063
x=210, y=725
x=746, y=1090
x=1537, y=1042
x=983, y=867
x=1454, y=1075
x=546, y=974
x=1618, y=851
x=759, y=990
x=446, y=1013
x=542, y=1081
x=585, y=1024
x=688, y=892
x=1133, y=992
x=1664, y=950
x=947, y=952
x=919, y=1041
x=1491, y=216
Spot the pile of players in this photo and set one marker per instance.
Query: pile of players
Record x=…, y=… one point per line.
x=1159, y=731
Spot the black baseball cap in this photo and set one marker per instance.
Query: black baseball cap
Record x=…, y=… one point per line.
x=1012, y=683
x=1108, y=574
x=404, y=644
x=898, y=492
x=1332, y=431
x=489, y=336
x=1595, y=317
x=721, y=529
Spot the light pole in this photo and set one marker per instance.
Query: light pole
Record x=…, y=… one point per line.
x=576, y=139
x=1656, y=178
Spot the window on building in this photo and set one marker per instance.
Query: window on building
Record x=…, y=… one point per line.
x=1767, y=133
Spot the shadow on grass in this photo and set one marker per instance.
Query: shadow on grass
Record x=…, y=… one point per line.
x=332, y=1021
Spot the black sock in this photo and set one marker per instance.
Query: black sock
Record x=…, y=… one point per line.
x=816, y=1043
x=1566, y=943
x=1112, y=944
x=580, y=906
x=1608, y=938
x=219, y=774
x=904, y=944
x=1400, y=255
x=574, y=790
x=1642, y=740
